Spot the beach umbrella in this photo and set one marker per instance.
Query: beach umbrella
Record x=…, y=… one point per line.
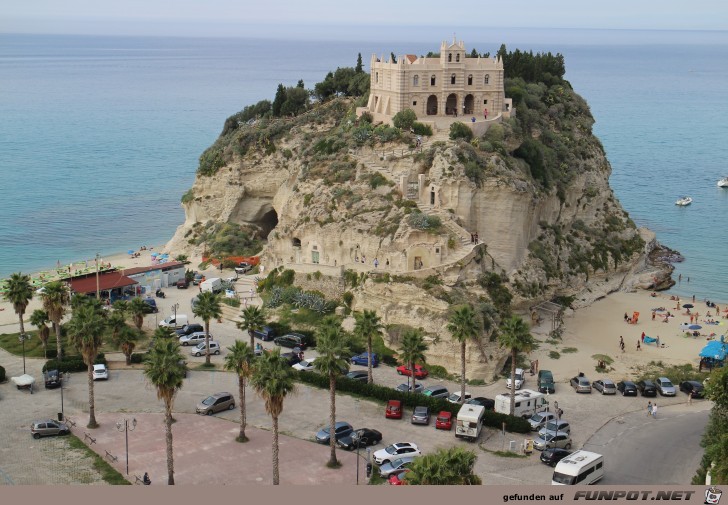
x=130, y=251
x=688, y=306
x=694, y=327
x=154, y=254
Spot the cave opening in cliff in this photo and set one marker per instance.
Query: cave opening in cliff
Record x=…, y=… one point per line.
x=267, y=222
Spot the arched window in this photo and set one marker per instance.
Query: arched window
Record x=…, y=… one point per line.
x=457, y=57
x=432, y=80
x=470, y=80
x=452, y=79
x=487, y=78
x=376, y=77
x=449, y=57
x=416, y=80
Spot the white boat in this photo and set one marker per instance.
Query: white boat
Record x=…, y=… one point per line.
x=684, y=201
x=723, y=183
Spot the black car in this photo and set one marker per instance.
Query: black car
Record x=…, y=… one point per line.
x=52, y=379
x=482, y=401
x=189, y=329
x=266, y=334
x=341, y=429
x=292, y=357
x=693, y=387
x=553, y=455
x=292, y=340
x=647, y=388
x=627, y=388
x=358, y=375
x=150, y=306
x=365, y=438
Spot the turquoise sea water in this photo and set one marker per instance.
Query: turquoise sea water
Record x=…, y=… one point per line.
x=100, y=136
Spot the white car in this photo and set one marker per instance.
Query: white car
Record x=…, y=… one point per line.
x=305, y=366
x=520, y=379
x=101, y=372
x=395, y=451
x=193, y=338
x=199, y=349
x=455, y=397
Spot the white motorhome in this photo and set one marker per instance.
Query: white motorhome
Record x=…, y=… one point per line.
x=579, y=468
x=469, y=421
x=528, y=402
x=174, y=323
x=214, y=285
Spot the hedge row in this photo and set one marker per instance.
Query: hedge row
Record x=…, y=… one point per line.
x=72, y=363
x=137, y=357
x=383, y=393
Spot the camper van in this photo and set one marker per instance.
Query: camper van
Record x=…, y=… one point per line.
x=469, y=421
x=579, y=468
x=528, y=402
x=214, y=285
x=174, y=323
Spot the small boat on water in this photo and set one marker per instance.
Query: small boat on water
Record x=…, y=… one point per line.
x=723, y=183
x=684, y=201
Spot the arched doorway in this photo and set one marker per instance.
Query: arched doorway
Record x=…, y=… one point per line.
x=432, y=196
x=451, y=105
x=469, y=104
x=432, y=105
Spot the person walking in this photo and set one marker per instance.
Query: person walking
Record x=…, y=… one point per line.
x=621, y=342
x=690, y=398
x=621, y=346
x=639, y=346
x=649, y=409
x=654, y=411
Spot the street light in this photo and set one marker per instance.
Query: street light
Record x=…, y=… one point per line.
x=123, y=425
x=355, y=439
x=23, y=337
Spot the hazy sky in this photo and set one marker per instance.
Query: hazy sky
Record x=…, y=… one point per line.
x=280, y=17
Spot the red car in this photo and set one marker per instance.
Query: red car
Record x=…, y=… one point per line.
x=394, y=409
x=420, y=373
x=399, y=478
x=444, y=421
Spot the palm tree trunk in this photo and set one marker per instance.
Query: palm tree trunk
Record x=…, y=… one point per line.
x=370, y=377
x=207, y=341
x=241, y=393
x=513, y=380
x=20, y=318
x=332, y=420
x=275, y=451
x=59, y=350
x=168, y=430
x=252, y=339
x=414, y=379
x=91, y=407
x=462, y=372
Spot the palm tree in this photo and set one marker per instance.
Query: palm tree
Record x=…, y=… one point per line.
x=19, y=292
x=253, y=319
x=206, y=308
x=332, y=345
x=137, y=308
x=273, y=379
x=413, y=351
x=39, y=318
x=125, y=338
x=85, y=331
x=451, y=466
x=55, y=297
x=515, y=335
x=165, y=369
x=367, y=326
x=462, y=326
x=240, y=360
x=116, y=322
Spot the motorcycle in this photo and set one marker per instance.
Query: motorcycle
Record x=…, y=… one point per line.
x=160, y=294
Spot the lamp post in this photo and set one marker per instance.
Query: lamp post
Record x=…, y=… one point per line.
x=62, y=377
x=355, y=439
x=174, y=308
x=123, y=425
x=23, y=337
x=98, y=291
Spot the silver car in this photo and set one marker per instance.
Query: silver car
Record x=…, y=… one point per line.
x=396, y=464
x=539, y=419
x=48, y=428
x=605, y=387
x=216, y=403
x=201, y=350
x=193, y=338
x=555, y=426
x=665, y=387
x=559, y=439
x=421, y=415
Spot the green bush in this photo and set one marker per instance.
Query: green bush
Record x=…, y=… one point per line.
x=422, y=129
x=404, y=119
x=72, y=363
x=459, y=130
x=137, y=357
x=233, y=302
x=2, y=374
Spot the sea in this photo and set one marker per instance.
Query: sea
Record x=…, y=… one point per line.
x=100, y=135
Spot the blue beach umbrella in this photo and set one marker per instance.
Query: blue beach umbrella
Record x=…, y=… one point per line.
x=694, y=327
x=130, y=251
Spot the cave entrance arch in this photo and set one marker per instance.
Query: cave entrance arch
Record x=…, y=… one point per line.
x=451, y=105
x=267, y=222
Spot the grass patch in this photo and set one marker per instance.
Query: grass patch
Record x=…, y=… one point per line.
x=506, y=454
x=554, y=355
x=476, y=382
x=205, y=366
x=108, y=473
x=33, y=346
x=376, y=479
x=569, y=350
x=676, y=373
x=551, y=341
x=603, y=357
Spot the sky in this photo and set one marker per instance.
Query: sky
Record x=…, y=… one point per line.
x=278, y=18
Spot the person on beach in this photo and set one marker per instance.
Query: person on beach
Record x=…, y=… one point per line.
x=653, y=315
x=654, y=410
x=643, y=336
x=621, y=341
x=649, y=409
x=639, y=346
x=657, y=341
x=621, y=346
x=626, y=317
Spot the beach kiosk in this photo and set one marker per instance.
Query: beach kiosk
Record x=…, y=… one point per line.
x=714, y=353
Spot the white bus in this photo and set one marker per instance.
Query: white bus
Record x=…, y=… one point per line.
x=579, y=468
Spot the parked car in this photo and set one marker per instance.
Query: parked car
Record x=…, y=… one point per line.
x=291, y=357
x=341, y=429
x=605, y=386
x=580, y=384
x=394, y=410
x=150, y=306
x=443, y=421
x=363, y=359
x=539, y=419
x=519, y=377
x=647, y=388
x=395, y=451
x=546, y=382
x=193, y=338
x=436, y=392
x=553, y=455
x=549, y=440
x=101, y=372
x=665, y=387
x=197, y=279
x=362, y=437
x=455, y=397
x=201, y=350
x=398, y=478
x=627, y=388
x=292, y=340
x=692, y=387
x=243, y=267
x=483, y=401
x=266, y=334
x=305, y=365
x=52, y=379
x=420, y=372
x=555, y=426
x=395, y=465
x=182, y=284
x=358, y=375
x=216, y=403
x=48, y=428
x=421, y=415
x=189, y=329
x=407, y=388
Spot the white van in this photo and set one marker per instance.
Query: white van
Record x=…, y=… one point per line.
x=469, y=421
x=579, y=468
x=214, y=285
x=174, y=323
x=528, y=403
